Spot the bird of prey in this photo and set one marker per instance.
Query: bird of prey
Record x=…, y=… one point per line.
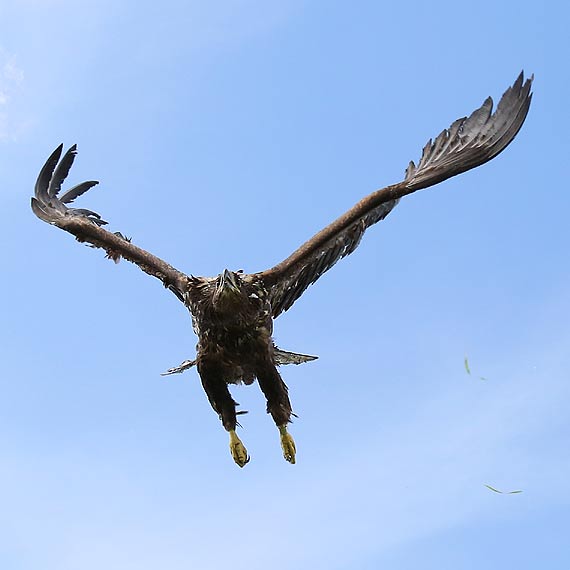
x=233, y=313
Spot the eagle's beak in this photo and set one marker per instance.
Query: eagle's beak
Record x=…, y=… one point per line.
x=228, y=283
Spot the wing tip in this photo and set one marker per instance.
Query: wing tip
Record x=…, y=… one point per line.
x=46, y=204
x=471, y=141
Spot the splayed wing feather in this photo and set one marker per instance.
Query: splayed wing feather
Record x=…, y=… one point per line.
x=61, y=171
x=467, y=143
x=44, y=177
x=40, y=212
x=77, y=191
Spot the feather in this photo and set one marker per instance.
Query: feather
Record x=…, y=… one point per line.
x=44, y=177
x=89, y=214
x=77, y=191
x=284, y=357
x=40, y=212
x=61, y=171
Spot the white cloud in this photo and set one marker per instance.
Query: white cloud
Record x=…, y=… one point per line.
x=11, y=72
x=11, y=78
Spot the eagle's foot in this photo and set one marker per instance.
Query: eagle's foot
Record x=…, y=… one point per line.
x=237, y=449
x=287, y=444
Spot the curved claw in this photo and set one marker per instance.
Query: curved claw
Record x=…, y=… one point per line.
x=46, y=205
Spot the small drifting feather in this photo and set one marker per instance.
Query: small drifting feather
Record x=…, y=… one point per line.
x=468, y=369
x=503, y=492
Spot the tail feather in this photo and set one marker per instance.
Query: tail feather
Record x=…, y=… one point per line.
x=283, y=357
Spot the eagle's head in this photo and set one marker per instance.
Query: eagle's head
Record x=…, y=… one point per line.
x=229, y=291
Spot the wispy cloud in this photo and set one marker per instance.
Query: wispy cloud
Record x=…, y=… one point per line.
x=11, y=79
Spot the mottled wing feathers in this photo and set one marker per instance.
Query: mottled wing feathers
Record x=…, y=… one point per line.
x=288, y=280
x=467, y=143
x=85, y=225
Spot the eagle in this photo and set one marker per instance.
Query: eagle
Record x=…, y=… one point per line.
x=233, y=313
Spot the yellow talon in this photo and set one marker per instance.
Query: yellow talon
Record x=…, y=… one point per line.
x=237, y=449
x=287, y=444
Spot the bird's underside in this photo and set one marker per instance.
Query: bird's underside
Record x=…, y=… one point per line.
x=233, y=313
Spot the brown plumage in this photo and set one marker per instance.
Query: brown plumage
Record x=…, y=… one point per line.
x=233, y=313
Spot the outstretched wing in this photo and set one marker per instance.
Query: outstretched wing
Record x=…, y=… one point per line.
x=469, y=142
x=85, y=225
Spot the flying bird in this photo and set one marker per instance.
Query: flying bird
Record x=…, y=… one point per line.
x=233, y=313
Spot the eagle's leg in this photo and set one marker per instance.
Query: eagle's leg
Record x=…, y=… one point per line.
x=278, y=405
x=224, y=405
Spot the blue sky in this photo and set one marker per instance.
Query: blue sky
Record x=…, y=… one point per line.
x=224, y=134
